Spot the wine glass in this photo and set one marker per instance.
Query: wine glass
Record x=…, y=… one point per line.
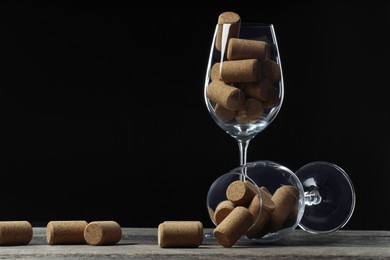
x=244, y=86
x=319, y=198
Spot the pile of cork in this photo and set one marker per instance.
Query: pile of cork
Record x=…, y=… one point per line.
x=253, y=212
x=58, y=232
x=242, y=86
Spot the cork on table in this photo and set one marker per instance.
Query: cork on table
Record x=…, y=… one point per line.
x=142, y=243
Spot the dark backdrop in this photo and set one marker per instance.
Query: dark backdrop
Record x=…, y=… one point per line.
x=103, y=116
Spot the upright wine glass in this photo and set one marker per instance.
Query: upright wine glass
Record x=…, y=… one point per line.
x=244, y=86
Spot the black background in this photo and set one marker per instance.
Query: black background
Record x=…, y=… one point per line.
x=103, y=116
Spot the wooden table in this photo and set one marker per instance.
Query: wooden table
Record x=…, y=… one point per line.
x=141, y=243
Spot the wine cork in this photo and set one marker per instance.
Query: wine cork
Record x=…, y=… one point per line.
x=250, y=111
x=106, y=232
x=180, y=234
x=233, y=227
x=285, y=200
x=240, y=193
x=262, y=216
x=240, y=71
x=223, y=210
x=273, y=98
x=271, y=70
x=239, y=49
x=231, y=29
x=227, y=96
x=292, y=217
x=14, y=233
x=65, y=232
x=223, y=113
x=252, y=186
x=261, y=90
x=215, y=71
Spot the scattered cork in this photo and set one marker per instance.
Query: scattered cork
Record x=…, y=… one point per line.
x=99, y=233
x=227, y=96
x=180, y=234
x=14, y=233
x=240, y=71
x=240, y=193
x=223, y=210
x=285, y=199
x=233, y=227
x=223, y=113
x=250, y=111
x=65, y=232
x=239, y=49
x=228, y=27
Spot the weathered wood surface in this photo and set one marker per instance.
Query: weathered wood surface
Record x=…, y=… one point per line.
x=141, y=243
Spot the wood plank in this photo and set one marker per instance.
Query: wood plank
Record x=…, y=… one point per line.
x=141, y=243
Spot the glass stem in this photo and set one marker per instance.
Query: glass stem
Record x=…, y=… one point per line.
x=312, y=197
x=243, y=148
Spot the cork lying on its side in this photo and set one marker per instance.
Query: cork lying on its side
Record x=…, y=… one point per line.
x=251, y=110
x=261, y=218
x=14, y=233
x=240, y=49
x=224, y=113
x=240, y=193
x=240, y=71
x=65, y=232
x=233, y=227
x=98, y=233
x=271, y=70
x=223, y=210
x=180, y=234
x=226, y=95
x=285, y=200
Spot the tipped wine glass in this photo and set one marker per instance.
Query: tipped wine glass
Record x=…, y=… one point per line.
x=323, y=201
x=244, y=86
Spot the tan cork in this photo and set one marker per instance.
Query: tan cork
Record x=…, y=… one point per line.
x=234, y=21
x=223, y=113
x=65, y=232
x=240, y=193
x=252, y=186
x=239, y=49
x=261, y=216
x=14, y=233
x=261, y=90
x=233, y=227
x=292, y=217
x=271, y=70
x=223, y=210
x=106, y=232
x=227, y=96
x=273, y=98
x=250, y=111
x=240, y=71
x=285, y=200
x=184, y=234
x=215, y=71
